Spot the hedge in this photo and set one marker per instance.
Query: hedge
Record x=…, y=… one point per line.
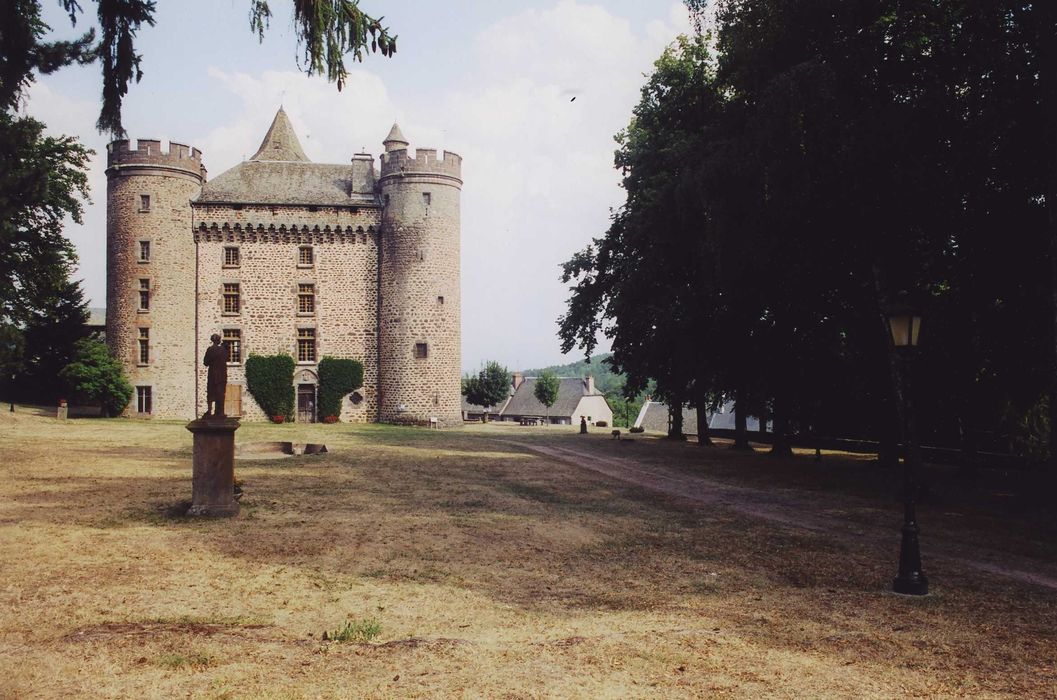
x=337, y=378
x=270, y=380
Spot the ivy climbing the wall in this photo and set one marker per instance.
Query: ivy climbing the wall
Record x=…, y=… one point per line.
x=337, y=378
x=270, y=380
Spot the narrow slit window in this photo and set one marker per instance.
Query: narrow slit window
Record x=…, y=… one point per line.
x=440, y=301
x=232, y=341
x=144, y=295
x=427, y=198
x=306, y=298
x=232, y=298
x=144, y=202
x=144, y=251
x=306, y=344
x=144, y=346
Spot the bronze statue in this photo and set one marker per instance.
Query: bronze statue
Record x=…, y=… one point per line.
x=217, y=361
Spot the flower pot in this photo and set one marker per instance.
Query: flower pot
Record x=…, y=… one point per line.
x=278, y=419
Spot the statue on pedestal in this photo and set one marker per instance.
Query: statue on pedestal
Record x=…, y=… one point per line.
x=216, y=360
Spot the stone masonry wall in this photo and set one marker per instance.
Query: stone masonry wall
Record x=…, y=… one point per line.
x=170, y=179
x=420, y=290
x=344, y=242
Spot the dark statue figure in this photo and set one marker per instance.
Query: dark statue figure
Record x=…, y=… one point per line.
x=217, y=361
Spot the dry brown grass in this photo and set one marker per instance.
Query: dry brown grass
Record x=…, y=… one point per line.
x=493, y=571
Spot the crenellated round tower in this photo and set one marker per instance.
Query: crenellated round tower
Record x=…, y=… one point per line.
x=419, y=318
x=150, y=268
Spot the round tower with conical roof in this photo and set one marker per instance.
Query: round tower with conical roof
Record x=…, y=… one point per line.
x=150, y=268
x=419, y=318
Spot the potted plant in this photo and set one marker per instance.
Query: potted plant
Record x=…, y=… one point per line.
x=330, y=419
x=278, y=419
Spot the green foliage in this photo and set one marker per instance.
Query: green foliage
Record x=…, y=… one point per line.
x=337, y=378
x=611, y=383
x=490, y=387
x=270, y=379
x=546, y=388
x=97, y=375
x=355, y=631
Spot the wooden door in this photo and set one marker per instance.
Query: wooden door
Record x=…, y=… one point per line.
x=306, y=403
x=233, y=400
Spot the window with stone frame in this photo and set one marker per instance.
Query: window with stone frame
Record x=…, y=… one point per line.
x=144, y=400
x=144, y=346
x=306, y=298
x=421, y=351
x=306, y=256
x=144, y=295
x=232, y=298
x=231, y=256
x=232, y=342
x=144, y=202
x=144, y=251
x=306, y=344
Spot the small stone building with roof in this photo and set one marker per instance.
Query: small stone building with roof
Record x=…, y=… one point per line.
x=577, y=396
x=281, y=255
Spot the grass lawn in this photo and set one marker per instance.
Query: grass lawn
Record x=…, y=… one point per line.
x=469, y=563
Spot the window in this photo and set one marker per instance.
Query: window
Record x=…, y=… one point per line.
x=304, y=256
x=421, y=351
x=427, y=198
x=144, y=295
x=144, y=346
x=440, y=301
x=386, y=200
x=231, y=297
x=232, y=342
x=144, y=202
x=144, y=251
x=306, y=344
x=306, y=298
x=231, y=256
x=143, y=399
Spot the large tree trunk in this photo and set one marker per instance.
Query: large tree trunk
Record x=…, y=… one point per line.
x=701, y=400
x=741, y=433
x=781, y=446
x=675, y=419
x=1045, y=16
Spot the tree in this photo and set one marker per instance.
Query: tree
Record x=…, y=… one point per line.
x=490, y=387
x=52, y=333
x=327, y=31
x=546, y=390
x=97, y=375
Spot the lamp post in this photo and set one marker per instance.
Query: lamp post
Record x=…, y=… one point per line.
x=905, y=327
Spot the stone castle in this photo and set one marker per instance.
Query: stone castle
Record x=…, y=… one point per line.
x=283, y=255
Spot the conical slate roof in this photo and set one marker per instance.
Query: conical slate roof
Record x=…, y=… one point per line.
x=280, y=143
x=396, y=136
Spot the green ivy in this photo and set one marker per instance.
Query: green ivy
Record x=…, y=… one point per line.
x=270, y=380
x=337, y=378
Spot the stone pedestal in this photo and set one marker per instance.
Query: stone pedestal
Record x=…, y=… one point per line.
x=213, y=481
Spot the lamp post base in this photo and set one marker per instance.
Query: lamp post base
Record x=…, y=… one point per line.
x=911, y=584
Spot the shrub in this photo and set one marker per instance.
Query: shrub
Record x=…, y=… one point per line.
x=96, y=375
x=330, y=419
x=636, y=430
x=602, y=424
x=270, y=379
x=362, y=631
x=337, y=378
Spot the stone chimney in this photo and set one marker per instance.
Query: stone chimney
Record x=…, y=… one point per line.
x=517, y=379
x=590, y=383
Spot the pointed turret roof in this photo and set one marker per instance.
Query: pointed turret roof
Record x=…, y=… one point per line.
x=280, y=143
x=395, y=136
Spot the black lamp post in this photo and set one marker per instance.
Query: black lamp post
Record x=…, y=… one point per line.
x=905, y=326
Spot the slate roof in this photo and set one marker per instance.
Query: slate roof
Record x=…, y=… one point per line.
x=396, y=136
x=96, y=317
x=280, y=173
x=654, y=417
x=474, y=408
x=525, y=403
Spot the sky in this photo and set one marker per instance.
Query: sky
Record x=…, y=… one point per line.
x=492, y=80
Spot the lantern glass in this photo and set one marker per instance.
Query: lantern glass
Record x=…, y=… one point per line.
x=905, y=328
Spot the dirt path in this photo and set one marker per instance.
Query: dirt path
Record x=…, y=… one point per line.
x=790, y=508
